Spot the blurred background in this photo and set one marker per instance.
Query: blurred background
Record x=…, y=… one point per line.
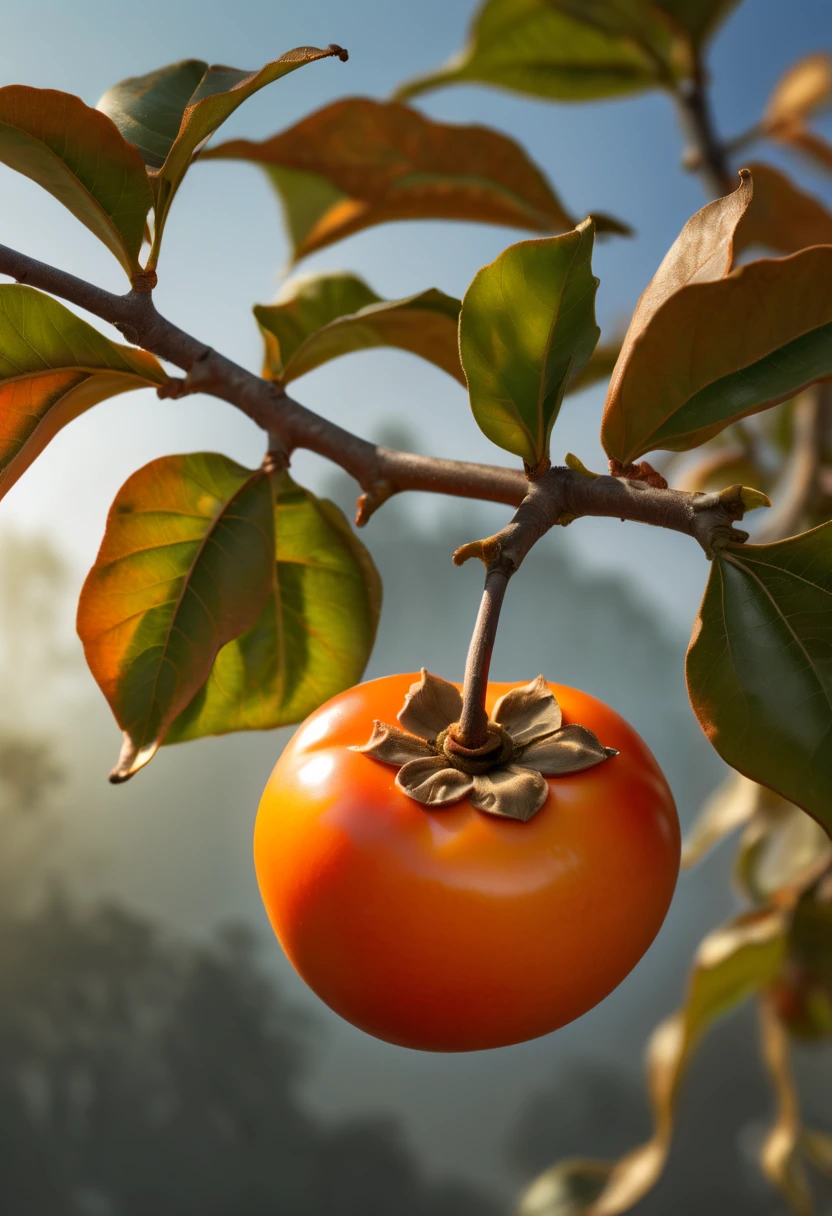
x=157, y=1053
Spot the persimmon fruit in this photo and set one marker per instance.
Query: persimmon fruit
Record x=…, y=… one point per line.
x=448, y=929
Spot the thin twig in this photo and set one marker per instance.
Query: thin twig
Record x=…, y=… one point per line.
x=380, y=471
x=812, y=411
x=705, y=152
x=563, y=494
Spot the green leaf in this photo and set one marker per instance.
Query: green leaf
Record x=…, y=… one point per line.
x=601, y=365
x=533, y=47
x=359, y=162
x=714, y=352
x=314, y=635
x=81, y=158
x=739, y=958
x=700, y=19
x=184, y=567
x=53, y=367
x=635, y=21
x=168, y=114
x=759, y=667
x=318, y=317
x=528, y=324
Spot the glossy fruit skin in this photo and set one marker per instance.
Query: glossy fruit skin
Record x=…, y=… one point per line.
x=450, y=929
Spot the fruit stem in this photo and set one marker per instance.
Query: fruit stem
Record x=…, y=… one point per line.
x=472, y=730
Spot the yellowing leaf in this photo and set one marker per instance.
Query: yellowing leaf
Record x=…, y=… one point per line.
x=314, y=635
x=534, y=47
x=759, y=667
x=782, y=850
x=780, y=1155
x=81, y=158
x=818, y=1148
x=800, y=93
x=53, y=367
x=359, y=162
x=185, y=566
x=170, y=113
x=714, y=352
x=734, y=961
x=528, y=324
x=730, y=806
x=318, y=317
x=782, y=217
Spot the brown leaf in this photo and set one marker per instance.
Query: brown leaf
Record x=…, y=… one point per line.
x=803, y=90
x=360, y=162
x=801, y=93
x=781, y=216
x=813, y=146
x=717, y=351
x=703, y=251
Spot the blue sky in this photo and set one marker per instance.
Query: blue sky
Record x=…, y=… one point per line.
x=224, y=245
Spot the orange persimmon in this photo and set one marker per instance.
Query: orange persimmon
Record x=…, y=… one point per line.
x=448, y=929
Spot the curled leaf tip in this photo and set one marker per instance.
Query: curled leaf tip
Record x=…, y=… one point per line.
x=131, y=759
x=341, y=51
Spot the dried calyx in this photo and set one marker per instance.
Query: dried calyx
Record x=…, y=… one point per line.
x=506, y=776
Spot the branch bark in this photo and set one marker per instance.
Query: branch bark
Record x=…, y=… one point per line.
x=380, y=471
x=705, y=153
x=559, y=496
